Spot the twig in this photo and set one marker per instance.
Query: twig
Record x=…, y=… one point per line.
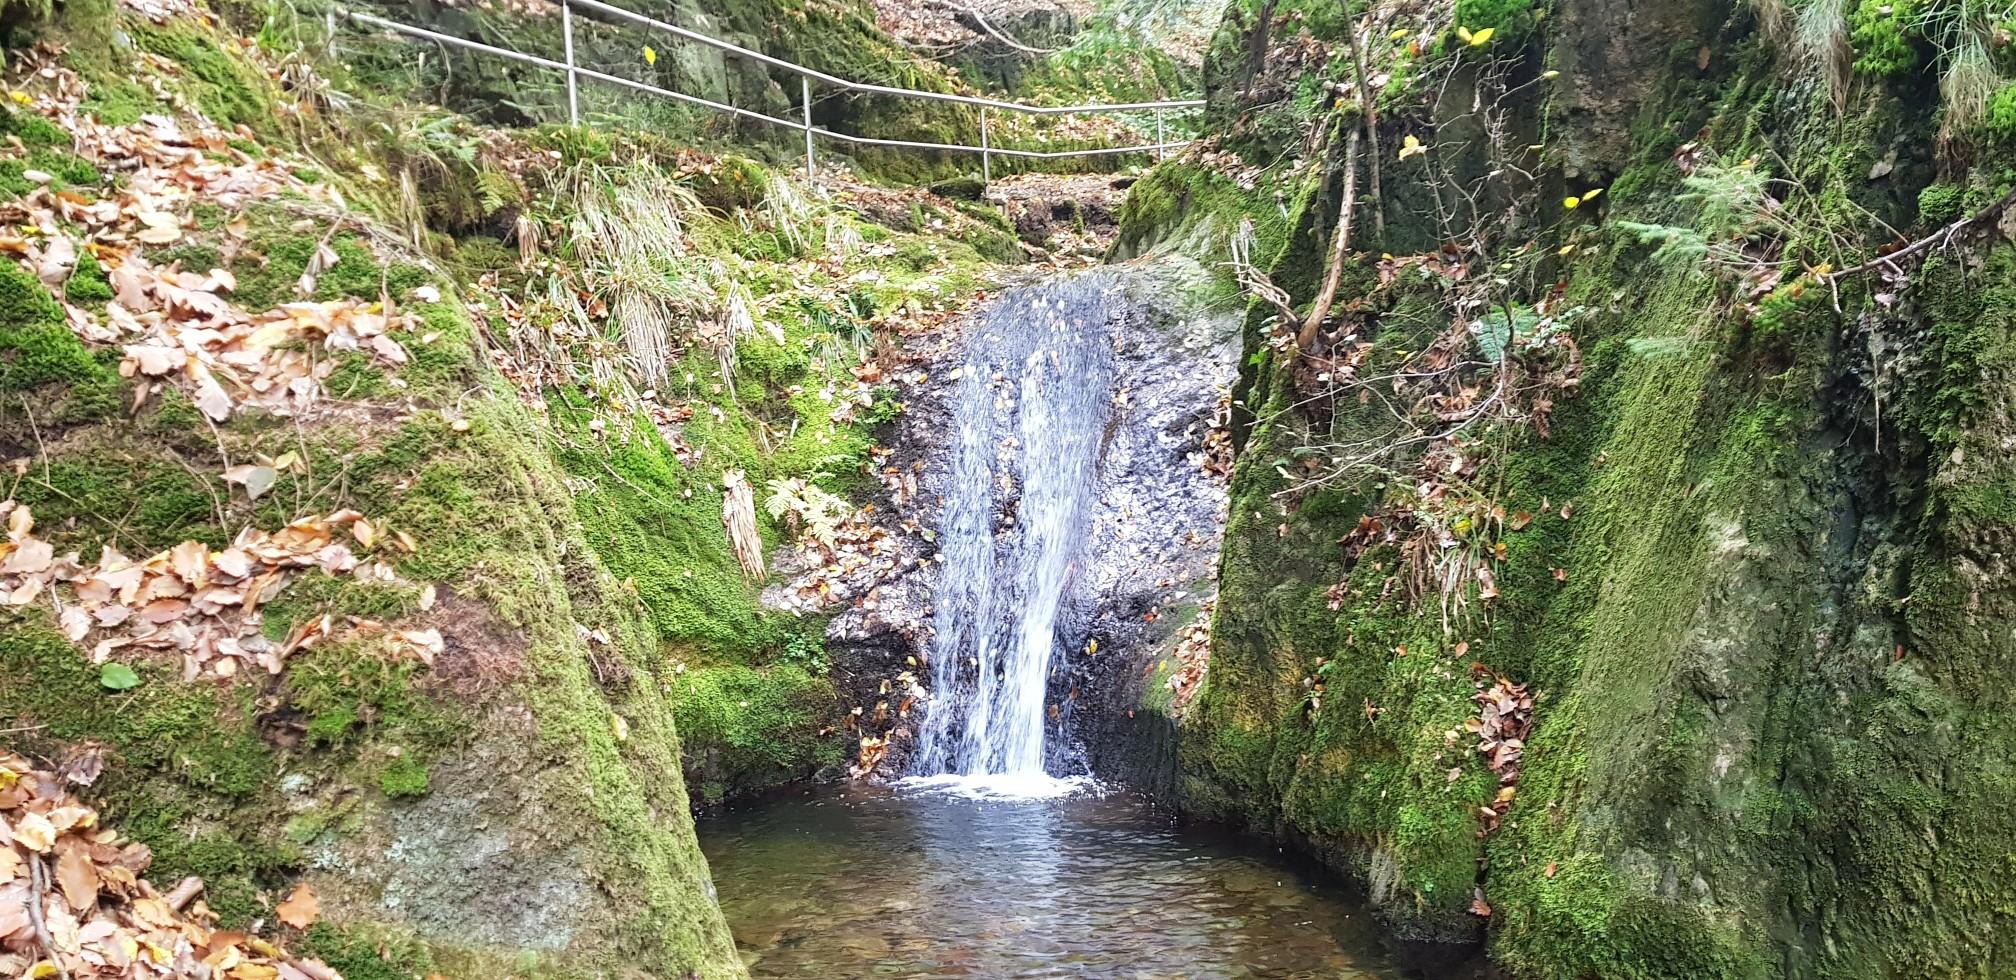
x=997, y=35
x=38, y=887
x=1252, y=279
x=1942, y=235
x=1370, y=112
x=1340, y=247
x=184, y=893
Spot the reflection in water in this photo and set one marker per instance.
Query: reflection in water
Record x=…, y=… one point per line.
x=870, y=883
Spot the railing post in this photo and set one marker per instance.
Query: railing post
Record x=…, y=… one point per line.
x=805, y=96
x=573, y=81
x=986, y=158
x=1161, y=145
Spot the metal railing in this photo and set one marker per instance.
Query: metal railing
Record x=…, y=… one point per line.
x=575, y=72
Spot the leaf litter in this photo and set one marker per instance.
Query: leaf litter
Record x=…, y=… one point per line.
x=73, y=902
x=175, y=324
x=190, y=600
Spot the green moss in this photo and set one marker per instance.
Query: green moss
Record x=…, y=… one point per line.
x=118, y=102
x=747, y=729
x=403, y=777
x=192, y=258
x=1939, y=203
x=47, y=375
x=1999, y=121
x=317, y=593
x=133, y=496
x=1881, y=32
x=357, y=273
x=737, y=183
x=180, y=758
x=87, y=284
x=35, y=132
x=1510, y=18
x=365, y=954
x=224, y=87
x=65, y=169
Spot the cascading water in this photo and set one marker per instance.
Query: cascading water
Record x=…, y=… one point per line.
x=1035, y=395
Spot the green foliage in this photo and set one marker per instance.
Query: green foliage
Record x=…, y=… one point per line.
x=802, y=505
x=1999, y=122
x=1510, y=18
x=1880, y=31
x=118, y=677
x=806, y=650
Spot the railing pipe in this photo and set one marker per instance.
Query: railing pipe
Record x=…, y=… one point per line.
x=590, y=73
x=835, y=80
x=573, y=79
x=986, y=157
x=805, y=96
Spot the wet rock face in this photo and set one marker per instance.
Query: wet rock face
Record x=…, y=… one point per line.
x=1151, y=523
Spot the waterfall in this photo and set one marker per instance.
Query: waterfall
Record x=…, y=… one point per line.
x=1034, y=397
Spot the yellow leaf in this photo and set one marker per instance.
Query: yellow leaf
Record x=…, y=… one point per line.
x=1550, y=74
x=1572, y=203
x=1411, y=147
x=650, y=55
x=1481, y=38
x=1568, y=249
x=1592, y=194
x=1464, y=33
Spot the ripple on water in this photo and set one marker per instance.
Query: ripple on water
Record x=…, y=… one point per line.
x=943, y=878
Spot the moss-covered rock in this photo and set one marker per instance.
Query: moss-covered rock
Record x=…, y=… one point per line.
x=1738, y=593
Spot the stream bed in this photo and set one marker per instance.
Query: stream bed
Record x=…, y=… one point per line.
x=880, y=882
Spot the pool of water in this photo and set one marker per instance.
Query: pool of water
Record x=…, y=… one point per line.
x=878, y=882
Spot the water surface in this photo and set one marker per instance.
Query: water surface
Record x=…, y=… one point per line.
x=871, y=882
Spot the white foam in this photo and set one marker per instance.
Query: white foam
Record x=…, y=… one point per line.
x=1014, y=787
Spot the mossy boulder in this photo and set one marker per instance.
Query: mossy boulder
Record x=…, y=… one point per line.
x=1754, y=614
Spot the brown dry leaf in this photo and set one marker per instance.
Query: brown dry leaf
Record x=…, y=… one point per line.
x=34, y=832
x=76, y=876
x=301, y=908
x=255, y=479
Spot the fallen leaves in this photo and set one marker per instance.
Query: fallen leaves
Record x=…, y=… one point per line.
x=72, y=902
x=174, y=323
x=1504, y=717
x=202, y=604
x=1192, y=656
